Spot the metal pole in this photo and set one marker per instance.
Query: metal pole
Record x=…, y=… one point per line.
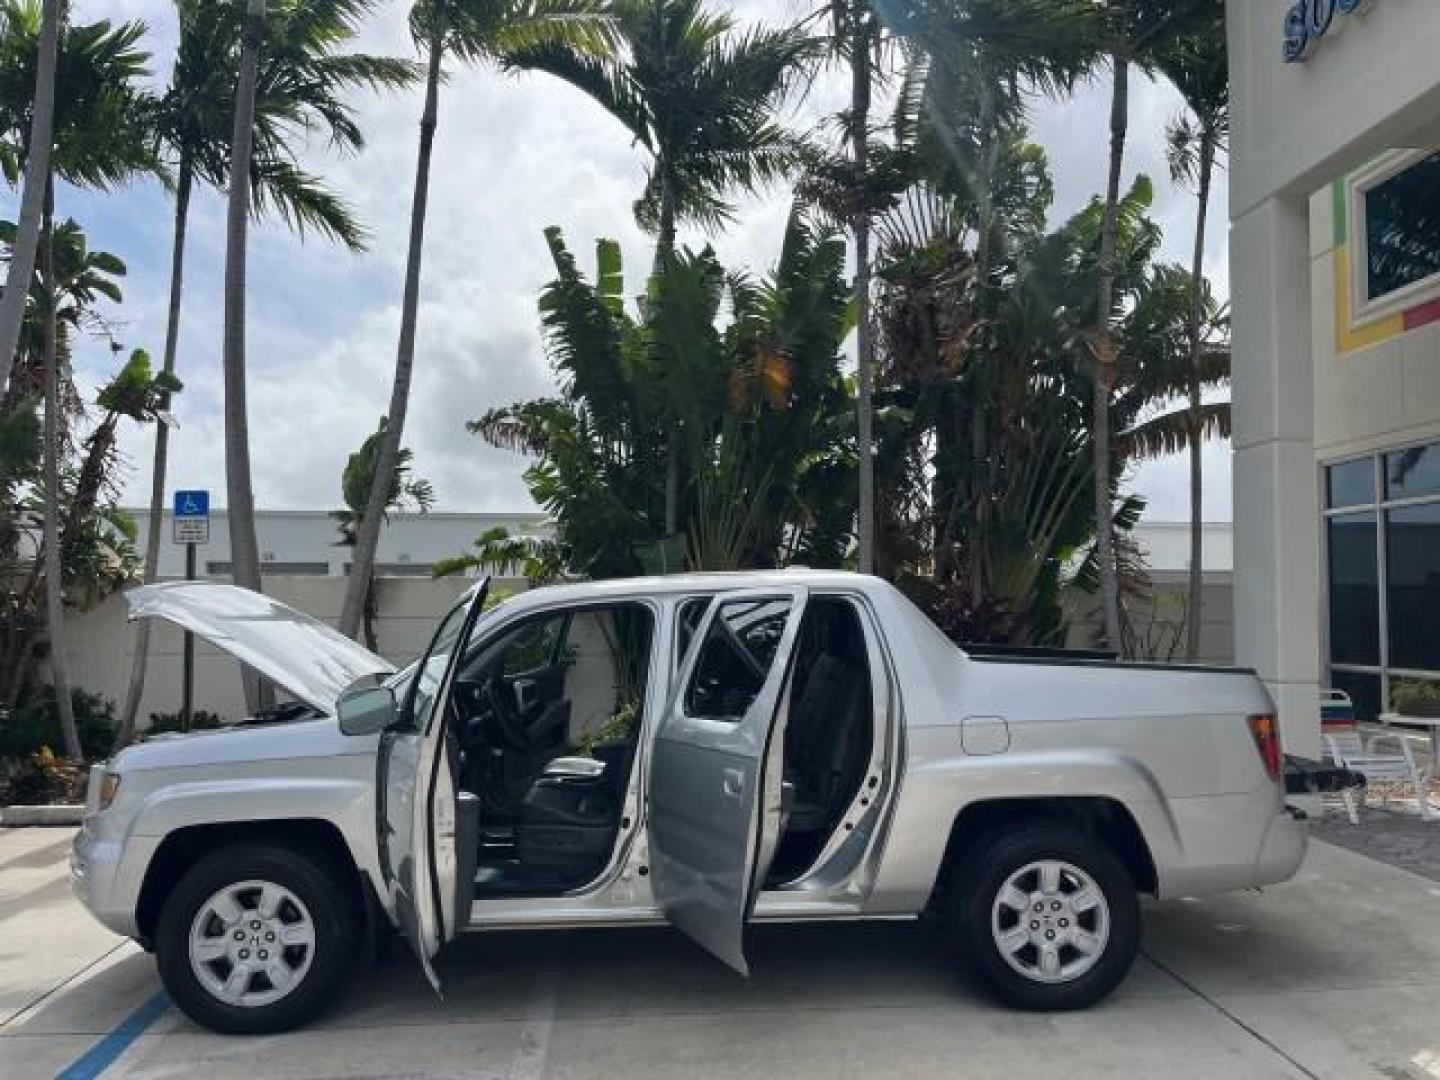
x=187, y=701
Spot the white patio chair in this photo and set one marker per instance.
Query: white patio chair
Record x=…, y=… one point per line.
x=1348, y=748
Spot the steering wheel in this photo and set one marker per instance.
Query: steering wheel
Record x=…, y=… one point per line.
x=505, y=725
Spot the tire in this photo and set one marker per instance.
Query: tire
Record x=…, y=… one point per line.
x=1089, y=918
x=307, y=941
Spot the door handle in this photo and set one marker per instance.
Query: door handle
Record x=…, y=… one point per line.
x=734, y=783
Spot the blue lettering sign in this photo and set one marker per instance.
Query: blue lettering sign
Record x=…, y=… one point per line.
x=1307, y=21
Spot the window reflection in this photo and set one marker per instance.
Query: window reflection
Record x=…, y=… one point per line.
x=1354, y=590
x=1413, y=472
x=1402, y=219
x=1413, y=587
x=1351, y=483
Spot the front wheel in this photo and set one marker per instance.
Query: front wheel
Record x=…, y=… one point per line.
x=256, y=939
x=1047, y=916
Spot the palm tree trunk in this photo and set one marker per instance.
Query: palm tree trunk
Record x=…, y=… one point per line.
x=664, y=250
x=37, y=173
x=54, y=585
x=387, y=455
x=861, y=90
x=1194, y=609
x=984, y=255
x=1104, y=360
x=240, y=495
x=184, y=182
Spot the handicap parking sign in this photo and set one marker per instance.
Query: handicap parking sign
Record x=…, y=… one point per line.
x=192, y=517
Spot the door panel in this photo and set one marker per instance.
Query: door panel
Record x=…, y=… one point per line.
x=416, y=808
x=713, y=818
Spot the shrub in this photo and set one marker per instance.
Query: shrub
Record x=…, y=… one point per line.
x=200, y=720
x=35, y=724
x=1416, y=697
x=43, y=779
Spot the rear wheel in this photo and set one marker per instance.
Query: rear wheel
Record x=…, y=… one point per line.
x=257, y=939
x=1048, y=917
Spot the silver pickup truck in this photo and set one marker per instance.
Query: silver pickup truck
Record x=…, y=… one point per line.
x=705, y=751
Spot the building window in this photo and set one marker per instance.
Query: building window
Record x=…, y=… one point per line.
x=1395, y=205
x=276, y=569
x=1402, y=229
x=1382, y=538
x=398, y=569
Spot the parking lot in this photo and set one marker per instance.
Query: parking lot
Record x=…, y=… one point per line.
x=1334, y=975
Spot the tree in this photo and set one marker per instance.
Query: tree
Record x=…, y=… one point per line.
x=85, y=550
x=1199, y=68
x=303, y=83
x=240, y=495
x=37, y=164
x=98, y=138
x=767, y=415
x=475, y=31
x=403, y=491
x=1135, y=33
x=700, y=96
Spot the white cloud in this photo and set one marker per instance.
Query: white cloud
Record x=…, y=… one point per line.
x=512, y=156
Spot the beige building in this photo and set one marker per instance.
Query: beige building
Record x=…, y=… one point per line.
x=1335, y=205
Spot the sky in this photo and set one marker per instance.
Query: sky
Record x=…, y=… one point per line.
x=512, y=157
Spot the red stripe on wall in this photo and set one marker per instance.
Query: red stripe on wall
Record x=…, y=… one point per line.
x=1423, y=315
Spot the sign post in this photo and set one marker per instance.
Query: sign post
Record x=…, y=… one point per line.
x=191, y=524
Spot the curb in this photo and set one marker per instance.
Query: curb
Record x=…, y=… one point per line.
x=12, y=816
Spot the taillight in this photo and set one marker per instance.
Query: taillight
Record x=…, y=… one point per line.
x=1266, y=732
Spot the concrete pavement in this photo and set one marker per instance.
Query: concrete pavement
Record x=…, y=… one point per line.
x=1335, y=975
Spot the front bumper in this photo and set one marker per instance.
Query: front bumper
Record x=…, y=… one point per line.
x=103, y=879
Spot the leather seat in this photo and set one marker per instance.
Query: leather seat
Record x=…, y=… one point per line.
x=824, y=742
x=567, y=822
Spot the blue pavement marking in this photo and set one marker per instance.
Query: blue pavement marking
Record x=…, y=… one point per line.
x=103, y=1054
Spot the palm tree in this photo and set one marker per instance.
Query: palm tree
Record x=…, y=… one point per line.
x=475, y=31
x=356, y=481
x=1135, y=33
x=240, y=496
x=37, y=168
x=1199, y=68
x=302, y=83
x=699, y=95
x=857, y=36
x=98, y=138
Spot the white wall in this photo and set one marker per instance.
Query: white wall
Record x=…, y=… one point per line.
x=309, y=536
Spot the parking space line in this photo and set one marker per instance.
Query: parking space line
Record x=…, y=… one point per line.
x=103, y=1054
x=1249, y=1029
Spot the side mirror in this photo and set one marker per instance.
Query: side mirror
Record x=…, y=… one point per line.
x=366, y=711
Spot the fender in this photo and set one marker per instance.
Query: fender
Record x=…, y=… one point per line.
x=347, y=804
x=936, y=791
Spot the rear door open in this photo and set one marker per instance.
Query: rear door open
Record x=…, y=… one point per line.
x=713, y=818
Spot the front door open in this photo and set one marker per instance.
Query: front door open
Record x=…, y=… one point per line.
x=710, y=821
x=416, y=805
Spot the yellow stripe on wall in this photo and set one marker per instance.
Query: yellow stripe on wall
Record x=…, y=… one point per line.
x=1348, y=337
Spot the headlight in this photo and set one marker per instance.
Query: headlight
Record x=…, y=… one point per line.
x=109, y=788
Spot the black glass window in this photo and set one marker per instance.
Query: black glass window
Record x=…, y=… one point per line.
x=1402, y=220
x=735, y=658
x=1350, y=484
x=1364, y=691
x=1412, y=560
x=1354, y=590
x=1413, y=472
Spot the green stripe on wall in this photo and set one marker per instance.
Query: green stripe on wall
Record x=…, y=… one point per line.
x=1339, y=193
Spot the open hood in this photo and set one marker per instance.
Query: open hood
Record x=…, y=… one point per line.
x=312, y=662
